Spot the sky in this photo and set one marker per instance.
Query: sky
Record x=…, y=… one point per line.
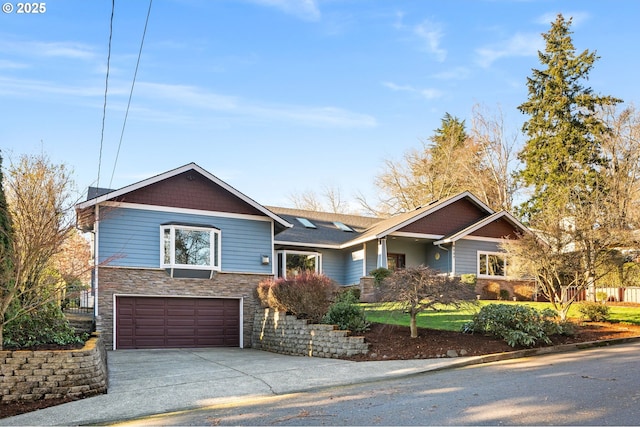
x=278, y=97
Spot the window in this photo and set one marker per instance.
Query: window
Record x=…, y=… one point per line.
x=342, y=226
x=492, y=264
x=190, y=247
x=395, y=261
x=292, y=263
x=306, y=222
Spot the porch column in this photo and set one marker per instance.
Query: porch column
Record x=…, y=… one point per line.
x=453, y=258
x=382, y=253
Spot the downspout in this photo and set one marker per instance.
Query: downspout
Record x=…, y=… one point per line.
x=96, y=257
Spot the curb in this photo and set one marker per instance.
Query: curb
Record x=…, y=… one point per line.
x=539, y=351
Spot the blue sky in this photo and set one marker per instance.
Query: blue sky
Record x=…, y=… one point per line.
x=278, y=97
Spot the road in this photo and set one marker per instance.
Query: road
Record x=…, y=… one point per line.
x=590, y=387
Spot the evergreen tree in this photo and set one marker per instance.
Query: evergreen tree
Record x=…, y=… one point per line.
x=562, y=155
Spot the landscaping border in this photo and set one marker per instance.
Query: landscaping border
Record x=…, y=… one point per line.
x=27, y=375
x=277, y=332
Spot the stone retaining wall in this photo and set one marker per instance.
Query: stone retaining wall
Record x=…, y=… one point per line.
x=50, y=374
x=281, y=333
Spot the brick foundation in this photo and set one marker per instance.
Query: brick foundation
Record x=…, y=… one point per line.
x=156, y=282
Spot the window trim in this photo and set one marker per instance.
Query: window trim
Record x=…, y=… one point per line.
x=502, y=255
x=284, y=252
x=215, y=247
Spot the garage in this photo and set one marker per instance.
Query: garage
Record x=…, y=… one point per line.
x=173, y=322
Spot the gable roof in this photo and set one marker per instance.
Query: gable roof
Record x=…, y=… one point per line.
x=101, y=195
x=483, y=223
x=326, y=234
x=395, y=223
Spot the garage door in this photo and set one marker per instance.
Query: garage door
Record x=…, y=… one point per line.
x=155, y=322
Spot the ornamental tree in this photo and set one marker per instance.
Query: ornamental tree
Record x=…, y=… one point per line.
x=421, y=288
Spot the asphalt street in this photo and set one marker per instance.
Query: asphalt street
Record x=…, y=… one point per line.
x=591, y=387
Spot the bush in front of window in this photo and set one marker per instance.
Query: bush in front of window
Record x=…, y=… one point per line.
x=307, y=295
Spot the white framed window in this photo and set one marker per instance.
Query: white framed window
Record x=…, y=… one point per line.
x=190, y=247
x=292, y=263
x=492, y=264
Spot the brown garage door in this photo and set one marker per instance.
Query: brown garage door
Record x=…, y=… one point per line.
x=155, y=322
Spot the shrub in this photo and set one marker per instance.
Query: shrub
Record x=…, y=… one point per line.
x=45, y=326
x=469, y=279
x=504, y=294
x=601, y=296
x=518, y=325
x=594, y=311
x=523, y=292
x=306, y=296
x=346, y=313
x=491, y=290
x=381, y=273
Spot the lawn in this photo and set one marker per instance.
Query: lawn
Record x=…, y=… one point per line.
x=451, y=319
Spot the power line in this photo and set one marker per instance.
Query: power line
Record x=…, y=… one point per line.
x=135, y=74
x=106, y=90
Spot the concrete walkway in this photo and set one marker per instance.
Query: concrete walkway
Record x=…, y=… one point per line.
x=147, y=382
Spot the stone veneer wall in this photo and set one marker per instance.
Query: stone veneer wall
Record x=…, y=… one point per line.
x=367, y=289
x=50, y=374
x=281, y=333
x=156, y=282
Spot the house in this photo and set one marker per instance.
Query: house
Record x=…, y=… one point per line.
x=178, y=256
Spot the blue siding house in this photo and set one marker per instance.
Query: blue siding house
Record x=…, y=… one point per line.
x=178, y=256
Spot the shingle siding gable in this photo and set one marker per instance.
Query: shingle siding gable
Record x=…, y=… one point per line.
x=500, y=229
x=190, y=190
x=448, y=219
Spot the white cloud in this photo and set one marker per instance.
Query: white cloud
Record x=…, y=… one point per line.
x=48, y=49
x=457, y=73
x=431, y=33
x=191, y=96
x=304, y=9
x=518, y=45
x=6, y=65
x=428, y=93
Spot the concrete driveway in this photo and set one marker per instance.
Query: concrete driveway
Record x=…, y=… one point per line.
x=146, y=382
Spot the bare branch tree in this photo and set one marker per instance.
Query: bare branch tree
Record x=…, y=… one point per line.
x=41, y=209
x=421, y=288
x=494, y=183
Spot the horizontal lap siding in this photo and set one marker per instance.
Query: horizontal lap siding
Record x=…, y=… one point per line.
x=333, y=265
x=466, y=253
x=131, y=238
x=354, y=268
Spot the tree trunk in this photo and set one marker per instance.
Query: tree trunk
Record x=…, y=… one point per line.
x=413, y=326
x=1, y=335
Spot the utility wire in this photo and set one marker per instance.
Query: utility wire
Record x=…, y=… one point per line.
x=133, y=83
x=106, y=90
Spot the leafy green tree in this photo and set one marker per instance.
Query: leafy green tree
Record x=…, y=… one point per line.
x=443, y=167
x=564, y=130
x=569, y=175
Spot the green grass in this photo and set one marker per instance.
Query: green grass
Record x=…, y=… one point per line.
x=451, y=319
